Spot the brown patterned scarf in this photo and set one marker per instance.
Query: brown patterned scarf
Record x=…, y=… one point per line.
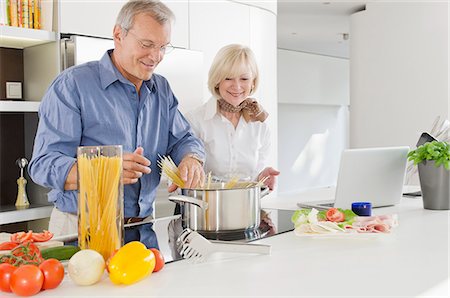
x=250, y=108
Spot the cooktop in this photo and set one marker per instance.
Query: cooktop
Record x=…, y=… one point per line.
x=162, y=233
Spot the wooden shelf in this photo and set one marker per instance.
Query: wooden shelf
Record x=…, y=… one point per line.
x=20, y=38
x=19, y=106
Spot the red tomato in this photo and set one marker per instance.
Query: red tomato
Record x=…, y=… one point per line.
x=20, y=237
x=109, y=259
x=53, y=272
x=8, y=245
x=26, y=280
x=42, y=237
x=6, y=271
x=159, y=259
x=335, y=215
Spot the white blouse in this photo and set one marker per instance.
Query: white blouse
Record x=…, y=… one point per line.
x=230, y=152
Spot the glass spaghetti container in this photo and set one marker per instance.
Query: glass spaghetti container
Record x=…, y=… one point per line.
x=100, y=198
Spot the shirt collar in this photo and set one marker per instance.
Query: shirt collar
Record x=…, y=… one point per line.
x=109, y=73
x=211, y=108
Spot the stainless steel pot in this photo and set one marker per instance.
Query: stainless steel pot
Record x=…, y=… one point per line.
x=218, y=209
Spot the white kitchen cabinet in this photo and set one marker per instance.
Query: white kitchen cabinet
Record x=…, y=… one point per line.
x=305, y=78
x=180, y=28
x=263, y=42
x=269, y=5
x=97, y=18
x=399, y=72
x=214, y=24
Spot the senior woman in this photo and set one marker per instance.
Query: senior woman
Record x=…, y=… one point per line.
x=232, y=124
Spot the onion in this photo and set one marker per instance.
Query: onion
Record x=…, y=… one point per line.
x=86, y=267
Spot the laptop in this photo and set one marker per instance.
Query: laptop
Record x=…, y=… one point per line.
x=373, y=175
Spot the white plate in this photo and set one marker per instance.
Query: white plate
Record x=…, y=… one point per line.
x=343, y=235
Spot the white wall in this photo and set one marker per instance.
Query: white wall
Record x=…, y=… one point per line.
x=313, y=97
x=399, y=72
x=310, y=141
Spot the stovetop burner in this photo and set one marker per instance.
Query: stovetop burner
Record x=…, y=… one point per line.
x=163, y=232
x=235, y=235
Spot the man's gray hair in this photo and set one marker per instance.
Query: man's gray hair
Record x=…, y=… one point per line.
x=158, y=10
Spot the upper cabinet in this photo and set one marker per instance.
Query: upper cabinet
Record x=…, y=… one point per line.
x=180, y=28
x=399, y=55
x=269, y=5
x=312, y=79
x=97, y=18
x=213, y=25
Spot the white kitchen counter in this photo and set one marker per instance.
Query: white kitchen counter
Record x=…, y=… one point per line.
x=413, y=261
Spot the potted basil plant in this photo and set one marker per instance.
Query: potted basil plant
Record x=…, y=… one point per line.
x=433, y=160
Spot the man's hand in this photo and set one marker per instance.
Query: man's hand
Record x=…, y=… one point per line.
x=134, y=166
x=191, y=172
x=271, y=173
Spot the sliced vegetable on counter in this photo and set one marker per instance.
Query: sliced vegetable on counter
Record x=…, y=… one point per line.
x=339, y=221
x=86, y=267
x=131, y=263
x=21, y=237
x=8, y=245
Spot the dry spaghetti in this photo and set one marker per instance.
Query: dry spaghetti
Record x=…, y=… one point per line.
x=99, y=209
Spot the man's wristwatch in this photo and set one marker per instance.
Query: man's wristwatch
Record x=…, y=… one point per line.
x=196, y=157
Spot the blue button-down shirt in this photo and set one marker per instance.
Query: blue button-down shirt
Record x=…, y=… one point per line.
x=93, y=104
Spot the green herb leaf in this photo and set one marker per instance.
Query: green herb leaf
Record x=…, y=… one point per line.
x=435, y=150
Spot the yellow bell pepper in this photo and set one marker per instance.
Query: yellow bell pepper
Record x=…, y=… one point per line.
x=131, y=263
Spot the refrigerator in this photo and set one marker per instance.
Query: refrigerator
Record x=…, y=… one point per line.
x=183, y=68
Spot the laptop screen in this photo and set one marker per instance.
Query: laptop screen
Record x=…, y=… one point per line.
x=373, y=175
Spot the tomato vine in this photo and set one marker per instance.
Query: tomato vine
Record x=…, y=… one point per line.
x=23, y=254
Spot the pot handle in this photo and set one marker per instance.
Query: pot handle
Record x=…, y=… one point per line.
x=264, y=191
x=185, y=199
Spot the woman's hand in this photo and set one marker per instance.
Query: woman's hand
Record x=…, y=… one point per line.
x=271, y=173
x=134, y=166
x=191, y=172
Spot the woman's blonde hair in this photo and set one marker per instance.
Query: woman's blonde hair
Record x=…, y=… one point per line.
x=230, y=62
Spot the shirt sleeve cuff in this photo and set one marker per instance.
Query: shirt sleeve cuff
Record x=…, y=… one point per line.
x=60, y=169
